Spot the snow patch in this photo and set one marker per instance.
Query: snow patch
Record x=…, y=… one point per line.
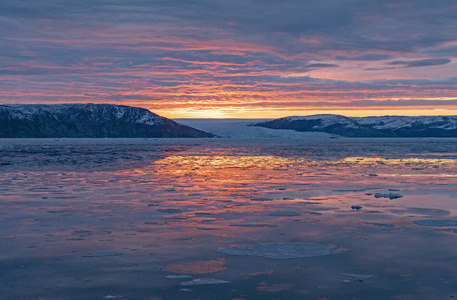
x=147, y=119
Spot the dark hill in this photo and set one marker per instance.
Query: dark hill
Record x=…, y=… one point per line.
x=89, y=121
x=387, y=126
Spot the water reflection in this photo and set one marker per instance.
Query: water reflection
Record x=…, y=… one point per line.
x=167, y=213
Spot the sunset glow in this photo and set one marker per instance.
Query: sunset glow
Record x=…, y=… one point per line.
x=233, y=59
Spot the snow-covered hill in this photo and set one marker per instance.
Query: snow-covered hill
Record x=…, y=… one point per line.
x=386, y=126
x=88, y=120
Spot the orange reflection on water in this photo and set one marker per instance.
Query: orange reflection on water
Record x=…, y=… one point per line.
x=171, y=214
x=232, y=161
x=183, y=204
x=399, y=161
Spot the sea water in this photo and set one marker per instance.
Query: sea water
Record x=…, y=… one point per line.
x=228, y=218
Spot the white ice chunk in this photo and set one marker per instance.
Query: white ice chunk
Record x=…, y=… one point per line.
x=204, y=281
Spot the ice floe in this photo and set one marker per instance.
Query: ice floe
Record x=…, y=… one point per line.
x=204, y=281
x=170, y=210
x=437, y=223
x=280, y=250
x=253, y=225
x=262, y=199
x=178, y=276
x=421, y=211
x=389, y=195
x=103, y=253
x=357, y=276
x=284, y=214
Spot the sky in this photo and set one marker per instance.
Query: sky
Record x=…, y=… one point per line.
x=237, y=58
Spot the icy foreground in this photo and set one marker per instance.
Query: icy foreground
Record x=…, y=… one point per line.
x=228, y=218
x=387, y=126
x=89, y=121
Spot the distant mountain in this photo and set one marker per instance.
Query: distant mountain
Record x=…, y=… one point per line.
x=89, y=121
x=387, y=126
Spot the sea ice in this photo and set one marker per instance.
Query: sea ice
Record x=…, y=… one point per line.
x=284, y=214
x=280, y=250
x=204, y=281
x=421, y=211
x=357, y=276
x=253, y=225
x=178, y=276
x=438, y=223
x=389, y=195
x=103, y=253
x=261, y=199
x=170, y=210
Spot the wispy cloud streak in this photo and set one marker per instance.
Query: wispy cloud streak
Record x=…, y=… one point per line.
x=240, y=54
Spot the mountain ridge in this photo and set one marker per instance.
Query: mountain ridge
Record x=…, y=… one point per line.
x=383, y=126
x=88, y=121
